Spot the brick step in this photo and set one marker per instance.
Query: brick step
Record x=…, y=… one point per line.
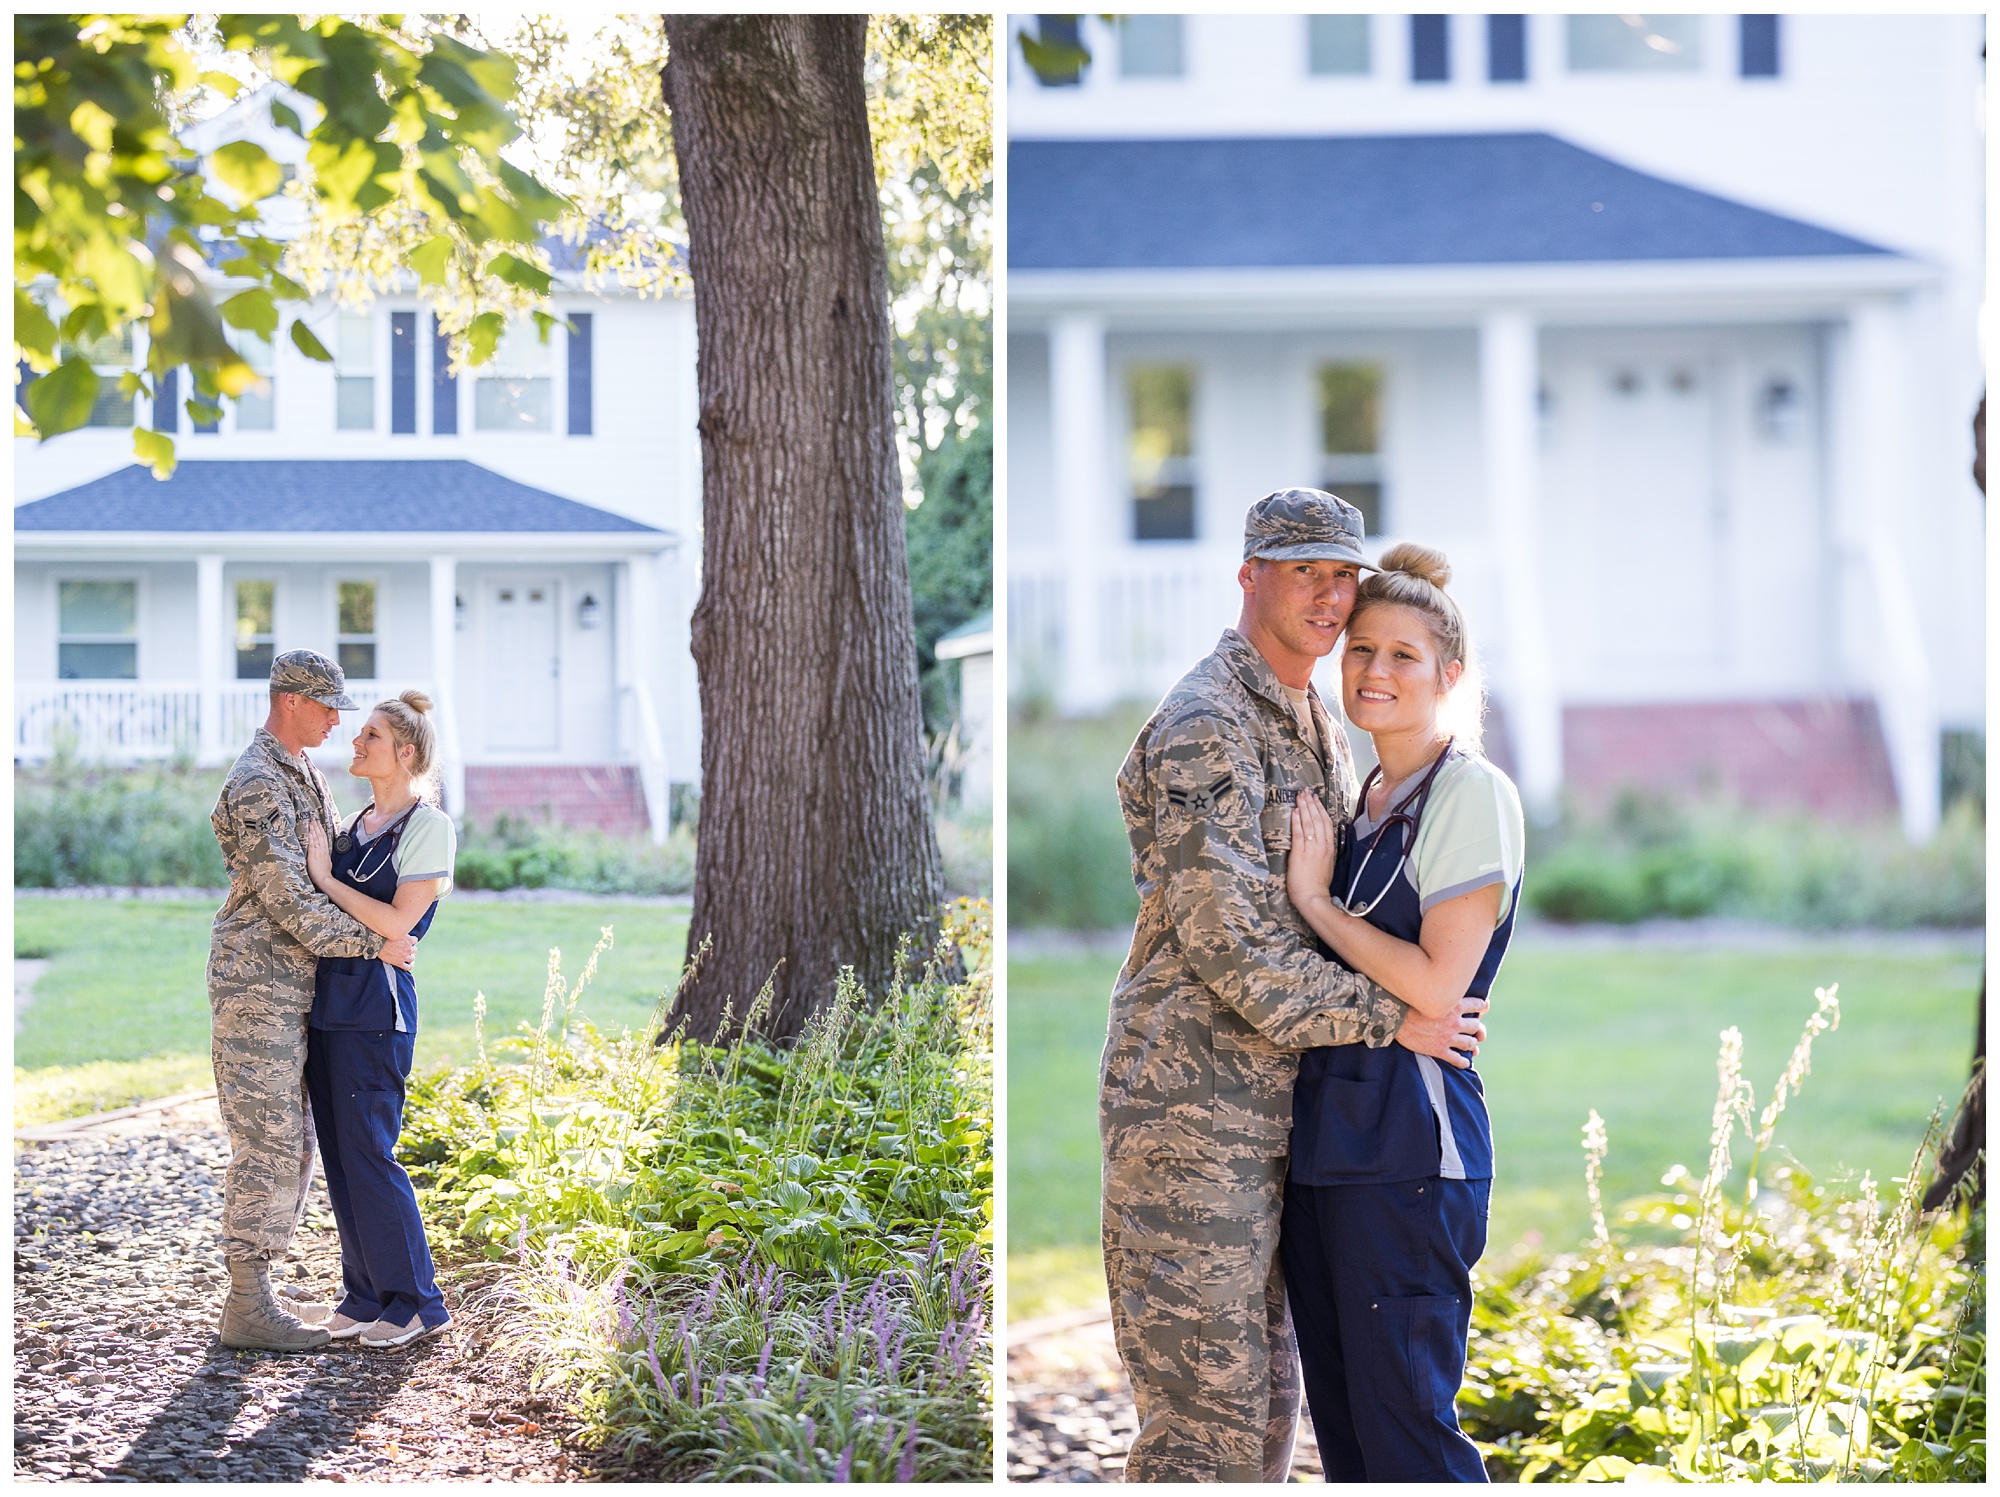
x=607, y=797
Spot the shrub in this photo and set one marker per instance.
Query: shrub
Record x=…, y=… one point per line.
x=1652, y=857
x=744, y=1262
x=1069, y=863
x=82, y=825
x=513, y=853
x=1791, y=1335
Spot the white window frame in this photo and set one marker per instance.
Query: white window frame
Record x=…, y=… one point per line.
x=378, y=361
x=138, y=581
x=380, y=582
x=277, y=594
x=557, y=352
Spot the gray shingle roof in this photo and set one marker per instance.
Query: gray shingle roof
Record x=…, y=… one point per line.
x=411, y=494
x=1369, y=200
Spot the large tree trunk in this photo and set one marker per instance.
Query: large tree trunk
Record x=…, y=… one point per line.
x=816, y=849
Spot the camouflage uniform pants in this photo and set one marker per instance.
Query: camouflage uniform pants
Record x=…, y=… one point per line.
x=259, y=1049
x=1198, y=1308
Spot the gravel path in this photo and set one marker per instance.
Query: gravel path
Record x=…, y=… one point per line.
x=118, y=1375
x=1069, y=1408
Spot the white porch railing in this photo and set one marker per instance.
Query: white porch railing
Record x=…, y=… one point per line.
x=646, y=745
x=1155, y=617
x=128, y=722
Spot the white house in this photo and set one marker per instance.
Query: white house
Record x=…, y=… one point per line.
x=521, y=540
x=1665, y=328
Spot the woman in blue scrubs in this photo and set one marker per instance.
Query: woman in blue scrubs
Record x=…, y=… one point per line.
x=1392, y=1153
x=388, y=867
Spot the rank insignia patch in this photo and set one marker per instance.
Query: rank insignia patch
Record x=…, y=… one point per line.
x=1201, y=802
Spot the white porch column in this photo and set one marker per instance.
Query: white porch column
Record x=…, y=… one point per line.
x=1882, y=635
x=211, y=636
x=635, y=590
x=1509, y=381
x=1079, y=413
x=444, y=666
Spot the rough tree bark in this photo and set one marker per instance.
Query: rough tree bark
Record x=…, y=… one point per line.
x=816, y=849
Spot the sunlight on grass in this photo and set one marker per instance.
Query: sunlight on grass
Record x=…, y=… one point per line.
x=56, y=1092
x=1047, y=1281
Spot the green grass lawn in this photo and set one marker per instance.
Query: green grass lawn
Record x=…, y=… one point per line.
x=122, y=1012
x=1633, y=1034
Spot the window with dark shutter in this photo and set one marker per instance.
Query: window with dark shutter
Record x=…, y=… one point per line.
x=1506, y=49
x=579, y=374
x=1430, y=49
x=403, y=374
x=444, y=386
x=1759, y=36
x=166, y=402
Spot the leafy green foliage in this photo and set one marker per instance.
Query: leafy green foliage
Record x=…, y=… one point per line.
x=744, y=1262
x=114, y=217
x=950, y=540
x=1069, y=864
x=1794, y=1335
x=517, y=854
x=1068, y=861
x=1653, y=857
x=76, y=825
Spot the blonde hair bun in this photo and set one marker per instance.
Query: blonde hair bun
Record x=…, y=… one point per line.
x=415, y=700
x=1421, y=562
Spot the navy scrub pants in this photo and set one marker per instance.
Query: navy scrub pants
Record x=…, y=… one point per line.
x=355, y=1078
x=1380, y=1284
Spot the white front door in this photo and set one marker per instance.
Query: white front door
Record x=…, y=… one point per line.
x=522, y=664
x=1656, y=508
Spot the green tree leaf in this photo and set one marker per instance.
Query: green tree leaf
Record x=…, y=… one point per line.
x=432, y=259
x=60, y=400
x=155, y=449
x=226, y=84
x=518, y=272
x=247, y=167
x=34, y=332
x=482, y=336
x=254, y=310
x=304, y=341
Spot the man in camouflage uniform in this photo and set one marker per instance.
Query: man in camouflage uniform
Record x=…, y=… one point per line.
x=1225, y=985
x=263, y=953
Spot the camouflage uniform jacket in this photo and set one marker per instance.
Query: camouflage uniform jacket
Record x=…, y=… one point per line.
x=275, y=925
x=1225, y=984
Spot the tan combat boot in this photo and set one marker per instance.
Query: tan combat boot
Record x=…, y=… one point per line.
x=252, y=1318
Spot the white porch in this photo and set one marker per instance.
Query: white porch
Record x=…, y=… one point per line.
x=538, y=650
x=1096, y=617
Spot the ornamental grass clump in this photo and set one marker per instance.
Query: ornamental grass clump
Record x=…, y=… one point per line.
x=741, y=1262
x=1789, y=1334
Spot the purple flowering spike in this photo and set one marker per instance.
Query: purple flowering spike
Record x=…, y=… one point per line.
x=659, y=1377
x=845, y=1470
x=812, y=1429
x=764, y=1363
x=906, y=1468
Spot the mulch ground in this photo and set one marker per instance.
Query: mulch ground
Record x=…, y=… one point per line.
x=119, y=1375
x=1069, y=1406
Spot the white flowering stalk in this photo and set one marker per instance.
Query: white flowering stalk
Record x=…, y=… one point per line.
x=1595, y=1145
x=1824, y=1018
x=479, y=1025
x=582, y=982
x=1733, y=1100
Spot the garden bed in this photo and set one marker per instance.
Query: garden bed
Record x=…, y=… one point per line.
x=739, y=1262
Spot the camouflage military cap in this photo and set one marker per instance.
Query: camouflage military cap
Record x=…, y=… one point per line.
x=1303, y=525
x=308, y=673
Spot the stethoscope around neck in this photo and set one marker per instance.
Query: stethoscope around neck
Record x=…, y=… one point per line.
x=383, y=843
x=1406, y=842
